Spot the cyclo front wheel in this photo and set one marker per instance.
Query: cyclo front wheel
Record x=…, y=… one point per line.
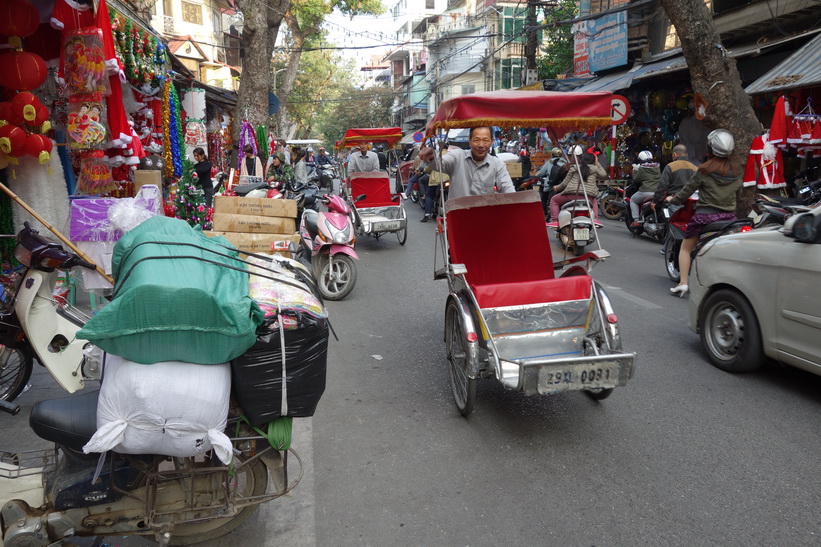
x=463, y=387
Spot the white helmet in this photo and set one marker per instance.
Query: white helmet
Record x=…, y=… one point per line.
x=645, y=156
x=577, y=150
x=721, y=142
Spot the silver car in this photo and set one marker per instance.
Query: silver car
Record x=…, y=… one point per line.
x=757, y=295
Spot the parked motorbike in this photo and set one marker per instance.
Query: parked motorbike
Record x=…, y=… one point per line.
x=32, y=324
x=774, y=211
x=327, y=241
x=677, y=222
x=575, y=226
x=50, y=495
x=611, y=201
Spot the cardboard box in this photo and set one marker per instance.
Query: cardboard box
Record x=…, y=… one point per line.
x=259, y=243
x=253, y=224
x=264, y=207
x=141, y=178
x=514, y=169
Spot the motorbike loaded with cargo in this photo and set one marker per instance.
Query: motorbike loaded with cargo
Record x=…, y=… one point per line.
x=197, y=394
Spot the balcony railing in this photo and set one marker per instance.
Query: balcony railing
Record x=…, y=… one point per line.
x=413, y=112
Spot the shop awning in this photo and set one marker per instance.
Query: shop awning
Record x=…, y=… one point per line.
x=801, y=69
x=623, y=80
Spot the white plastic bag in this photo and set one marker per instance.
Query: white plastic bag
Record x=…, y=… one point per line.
x=169, y=408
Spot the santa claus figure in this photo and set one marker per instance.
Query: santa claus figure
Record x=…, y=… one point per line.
x=765, y=167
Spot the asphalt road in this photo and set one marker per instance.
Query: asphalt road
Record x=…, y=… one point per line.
x=685, y=454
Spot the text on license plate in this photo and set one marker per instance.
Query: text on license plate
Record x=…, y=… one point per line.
x=578, y=377
x=581, y=233
x=392, y=225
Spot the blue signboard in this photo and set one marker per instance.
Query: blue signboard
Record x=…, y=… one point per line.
x=607, y=41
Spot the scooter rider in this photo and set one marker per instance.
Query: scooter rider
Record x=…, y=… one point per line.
x=718, y=181
x=675, y=175
x=549, y=177
x=587, y=165
x=646, y=175
x=473, y=172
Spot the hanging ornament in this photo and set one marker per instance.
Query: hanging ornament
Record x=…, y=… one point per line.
x=26, y=105
x=40, y=147
x=22, y=71
x=12, y=140
x=18, y=18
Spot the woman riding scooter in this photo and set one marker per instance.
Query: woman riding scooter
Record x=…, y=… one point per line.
x=570, y=188
x=718, y=181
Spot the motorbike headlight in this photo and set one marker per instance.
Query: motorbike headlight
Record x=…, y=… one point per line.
x=340, y=238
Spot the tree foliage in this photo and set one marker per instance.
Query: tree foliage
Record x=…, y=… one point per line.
x=304, y=19
x=353, y=107
x=557, y=40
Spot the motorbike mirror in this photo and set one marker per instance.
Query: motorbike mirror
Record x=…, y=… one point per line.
x=804, y=227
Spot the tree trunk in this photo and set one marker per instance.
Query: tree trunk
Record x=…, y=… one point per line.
x=714, y=75
x=262, y=19
x=284, y=88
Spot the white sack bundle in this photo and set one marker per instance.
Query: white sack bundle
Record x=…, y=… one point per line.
x=169, y=408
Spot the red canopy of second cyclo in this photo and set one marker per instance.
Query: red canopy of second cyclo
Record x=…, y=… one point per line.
x=389, y=135
x=554, y=109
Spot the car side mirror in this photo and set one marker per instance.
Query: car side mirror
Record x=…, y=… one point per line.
x=361, y=197
x=804, y=227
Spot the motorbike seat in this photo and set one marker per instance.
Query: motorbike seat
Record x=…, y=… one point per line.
x=310, y=216
x=716, y=226
x=68, y=421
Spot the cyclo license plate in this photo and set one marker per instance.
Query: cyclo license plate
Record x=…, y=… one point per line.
x=581, y=233
x=576, y=377
x=391, y=225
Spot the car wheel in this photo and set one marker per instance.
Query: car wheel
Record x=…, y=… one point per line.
x=729, y=332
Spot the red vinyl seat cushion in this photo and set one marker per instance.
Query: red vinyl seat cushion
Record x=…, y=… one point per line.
x=377, y=190
x=496, y=295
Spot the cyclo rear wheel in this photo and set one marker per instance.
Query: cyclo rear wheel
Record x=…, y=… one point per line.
x=463, y=387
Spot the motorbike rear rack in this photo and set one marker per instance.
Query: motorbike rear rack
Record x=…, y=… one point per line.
x=27, y=463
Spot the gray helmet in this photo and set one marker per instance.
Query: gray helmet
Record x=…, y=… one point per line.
x=556, y=152
x=645, y=156
x=721, y=142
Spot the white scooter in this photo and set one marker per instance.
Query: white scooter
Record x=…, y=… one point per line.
x=576, y=228
x=38, y=327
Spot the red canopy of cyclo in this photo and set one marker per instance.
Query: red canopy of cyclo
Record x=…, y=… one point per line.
x=554, y=109
x=389, y=135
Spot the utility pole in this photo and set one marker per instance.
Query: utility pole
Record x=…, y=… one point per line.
x=531, y=72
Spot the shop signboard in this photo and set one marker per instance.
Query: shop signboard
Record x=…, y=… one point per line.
x=607, y=39
x=581, y=67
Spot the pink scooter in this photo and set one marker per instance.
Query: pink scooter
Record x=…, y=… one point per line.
x=328, y=238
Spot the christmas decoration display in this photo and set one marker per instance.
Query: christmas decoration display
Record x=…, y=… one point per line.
x=85, y=121
x=95, y=174
x=85, y=69
x=765, y=166
x=216, y=153
x=262, y=143
x=193, y=104
x=246, y=136
x=172, y=131
x=190, y=199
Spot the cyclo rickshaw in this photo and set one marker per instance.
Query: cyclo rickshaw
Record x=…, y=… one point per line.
x=537, y=326
x=376, y=210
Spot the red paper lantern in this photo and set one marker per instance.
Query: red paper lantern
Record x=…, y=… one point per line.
x=12, y=140
x=40, y=147
x=26, y=104
x=41, y=117
x=18, y=18
x=22, y=70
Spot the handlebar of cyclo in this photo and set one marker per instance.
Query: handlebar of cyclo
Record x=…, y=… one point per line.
x=11, y=408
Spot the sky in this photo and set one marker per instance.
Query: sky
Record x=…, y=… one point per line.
x=372, y=34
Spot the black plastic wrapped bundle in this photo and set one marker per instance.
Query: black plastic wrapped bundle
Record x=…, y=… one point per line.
x=257, y=374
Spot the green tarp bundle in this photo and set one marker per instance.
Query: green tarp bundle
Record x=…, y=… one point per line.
x=171, y=302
